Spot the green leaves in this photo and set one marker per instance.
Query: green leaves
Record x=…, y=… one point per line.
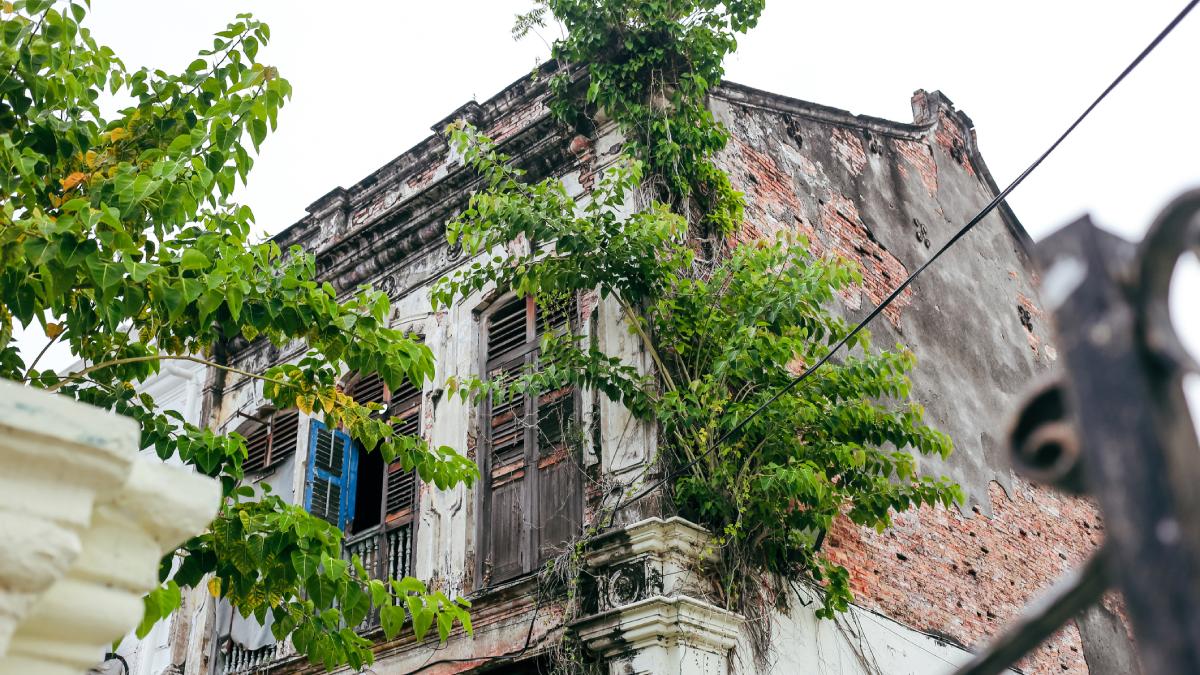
x=649, y=67
x=193, y=260
x=159, y=604
x=274, y=558
x=725, y=336
x=117, y=230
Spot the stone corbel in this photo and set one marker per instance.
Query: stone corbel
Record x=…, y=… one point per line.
x=85, y=520
x=646, y=612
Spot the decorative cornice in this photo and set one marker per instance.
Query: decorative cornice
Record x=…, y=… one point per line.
x=660, y=621
x=652, y=536
x=86, y=521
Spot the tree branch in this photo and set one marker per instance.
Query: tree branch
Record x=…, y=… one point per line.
x=164, y=357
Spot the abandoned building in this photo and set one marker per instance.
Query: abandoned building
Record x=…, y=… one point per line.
x=877, y=192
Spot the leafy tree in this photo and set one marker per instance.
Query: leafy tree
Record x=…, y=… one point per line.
x=726, y=333
x=118, y=236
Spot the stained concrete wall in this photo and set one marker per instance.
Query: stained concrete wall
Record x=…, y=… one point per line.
x=885, y=195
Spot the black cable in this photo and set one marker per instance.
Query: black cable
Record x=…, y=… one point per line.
x=908, y=281
x=112, y=656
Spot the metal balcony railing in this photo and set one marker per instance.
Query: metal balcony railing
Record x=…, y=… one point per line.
x=385, y=551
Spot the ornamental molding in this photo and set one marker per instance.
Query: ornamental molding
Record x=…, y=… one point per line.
x=85, y=520
x=660, y=622
x=641, y=599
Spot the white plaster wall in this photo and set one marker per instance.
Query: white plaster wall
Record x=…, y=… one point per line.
x=178, y=386
x=857, y=642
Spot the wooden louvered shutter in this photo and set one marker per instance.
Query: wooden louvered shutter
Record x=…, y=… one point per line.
x=368, y=389
x=401, y=487
x=270, y=441
x=508, y=536
x=559, y=498
x=332, y=463
x=533, y=502
x=285, y=432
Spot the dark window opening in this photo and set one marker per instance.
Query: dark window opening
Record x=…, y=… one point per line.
x=381, y=530
x=368, y=492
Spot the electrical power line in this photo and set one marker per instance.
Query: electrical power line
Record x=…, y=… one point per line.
x=991, y=206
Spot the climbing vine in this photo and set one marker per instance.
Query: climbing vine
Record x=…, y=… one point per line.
x=649, y=67
x=727, y=326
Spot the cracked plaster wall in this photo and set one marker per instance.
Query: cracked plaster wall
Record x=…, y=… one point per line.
x=885, y=195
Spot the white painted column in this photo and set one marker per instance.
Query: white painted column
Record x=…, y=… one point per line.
x=648, y=616
x=84, y=521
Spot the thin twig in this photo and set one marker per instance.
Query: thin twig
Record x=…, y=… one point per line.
x=166, y=357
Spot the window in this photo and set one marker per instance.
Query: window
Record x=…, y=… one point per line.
x=385, y=493
x=374, y=502
x=532, y=498
x=270, y=439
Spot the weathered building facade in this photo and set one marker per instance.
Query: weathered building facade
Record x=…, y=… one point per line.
x=876, y=192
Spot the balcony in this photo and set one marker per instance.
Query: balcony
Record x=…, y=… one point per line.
x=385, y=551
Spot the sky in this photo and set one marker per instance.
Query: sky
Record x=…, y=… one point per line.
x=371, y=77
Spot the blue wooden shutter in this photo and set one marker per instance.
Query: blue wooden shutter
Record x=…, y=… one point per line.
x=331, y=475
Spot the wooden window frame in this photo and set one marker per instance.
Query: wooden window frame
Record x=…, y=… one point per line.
x=391, y=521
x=274, y=421
x=524, y=354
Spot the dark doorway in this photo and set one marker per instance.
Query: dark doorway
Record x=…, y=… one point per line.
x=368, y=491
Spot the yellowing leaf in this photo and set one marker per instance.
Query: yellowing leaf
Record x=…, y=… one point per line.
x=90, y=159
x=327, y=401
x=214, y=587
x=74, y=179
x=117, y=134
x=303, y=405
x=53, y=330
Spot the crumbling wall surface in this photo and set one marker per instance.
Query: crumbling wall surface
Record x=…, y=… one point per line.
x=885, y=196
x=966, y=576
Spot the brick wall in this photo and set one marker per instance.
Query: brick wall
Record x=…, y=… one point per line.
x=880, y=198
x=964, y=577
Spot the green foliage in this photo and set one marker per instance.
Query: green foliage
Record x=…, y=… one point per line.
x=837, y=444
x=650, y=65
x=724, y=339
x=118, y=237
x=725, y=335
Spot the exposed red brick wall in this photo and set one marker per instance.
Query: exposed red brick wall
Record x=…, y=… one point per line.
x=949, y=135
x=772, y=205
x=917, y=157
x=843, y=229
x=849, y=149
x=967, y=577
x=961, y=577
x=517, y=120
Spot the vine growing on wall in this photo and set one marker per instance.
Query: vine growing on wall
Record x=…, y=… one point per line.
x=726, y=330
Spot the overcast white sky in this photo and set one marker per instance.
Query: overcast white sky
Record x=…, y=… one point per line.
x=370, y=77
